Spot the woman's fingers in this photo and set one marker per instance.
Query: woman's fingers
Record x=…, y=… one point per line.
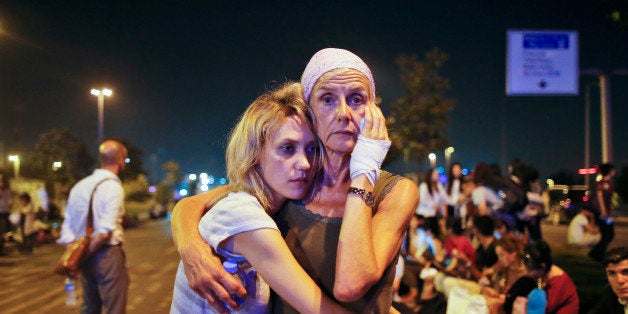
x=374, y=123
x=208, y=278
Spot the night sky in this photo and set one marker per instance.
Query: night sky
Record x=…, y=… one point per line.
x=182, y=72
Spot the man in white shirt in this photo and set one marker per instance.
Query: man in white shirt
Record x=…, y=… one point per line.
x=582, y=230
x=104, y=275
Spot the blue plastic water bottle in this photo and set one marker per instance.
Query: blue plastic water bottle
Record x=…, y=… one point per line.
x=70, y=291
x=232, y=268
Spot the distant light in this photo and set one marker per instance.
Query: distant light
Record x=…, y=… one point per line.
x=585, y=198
x=183, y=192
x=431, y=156
x=465, y=171
x=204, y=180
x=14, y=158
x=152, y=189
x=107, y=92
x=222, y=181
x=587, y=170
x=95, y=92
x=57, y=164
x=550, y=183
x=449, y=150
x=440, y=169
x=204, y=188
x=203, y=175
x=127, y=160
x=192, y=176
x=210, y=180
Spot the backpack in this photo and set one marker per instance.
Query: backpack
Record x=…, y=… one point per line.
x=513, y=196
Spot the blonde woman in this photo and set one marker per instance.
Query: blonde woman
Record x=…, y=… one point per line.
x=271, y=157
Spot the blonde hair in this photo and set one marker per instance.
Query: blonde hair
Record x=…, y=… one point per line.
x=247, y=139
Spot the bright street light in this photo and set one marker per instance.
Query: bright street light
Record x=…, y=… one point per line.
x=101, y=108
x=432, y=158
x=16, y=165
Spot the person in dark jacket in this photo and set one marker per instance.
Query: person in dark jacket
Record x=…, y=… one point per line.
x=601, y=204
x=615, y=295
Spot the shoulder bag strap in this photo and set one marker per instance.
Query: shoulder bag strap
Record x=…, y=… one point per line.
x=89, y=229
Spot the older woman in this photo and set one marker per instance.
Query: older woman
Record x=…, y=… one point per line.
x=347, y=234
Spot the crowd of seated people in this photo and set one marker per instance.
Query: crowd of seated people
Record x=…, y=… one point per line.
x=497, y=257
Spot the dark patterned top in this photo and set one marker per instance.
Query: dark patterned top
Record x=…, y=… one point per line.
x=313, y=239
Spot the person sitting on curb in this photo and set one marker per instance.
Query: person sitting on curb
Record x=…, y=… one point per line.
x=583, y=231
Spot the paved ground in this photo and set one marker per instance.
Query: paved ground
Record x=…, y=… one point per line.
x=29, y=286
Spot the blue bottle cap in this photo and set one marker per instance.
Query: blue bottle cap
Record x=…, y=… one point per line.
x=230, y=266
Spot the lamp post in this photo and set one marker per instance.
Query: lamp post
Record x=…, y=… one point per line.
x=101, y=109
x=432, y=158
x=605, y=109
x=448, y=151
x=587, y=129
x=16, y=165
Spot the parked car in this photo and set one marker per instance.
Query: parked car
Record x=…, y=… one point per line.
x=566, y=201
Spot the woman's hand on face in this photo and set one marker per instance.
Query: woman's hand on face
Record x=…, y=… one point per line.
x=371, y=146
x=374, y=123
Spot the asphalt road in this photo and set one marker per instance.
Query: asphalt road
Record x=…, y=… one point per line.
x=29, y=286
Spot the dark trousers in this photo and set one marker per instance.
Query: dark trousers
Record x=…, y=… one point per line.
x=105, y=281
x=607, y=231
x=534, y=228
x=27, y=242
x=4, y=228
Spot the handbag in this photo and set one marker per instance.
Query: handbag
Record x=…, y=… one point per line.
x=76, y=253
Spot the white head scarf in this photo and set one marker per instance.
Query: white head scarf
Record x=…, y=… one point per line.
x=329, y=59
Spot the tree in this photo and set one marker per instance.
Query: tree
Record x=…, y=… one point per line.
x=61, y=145
x=136, y=189
x=166, y=188
x=418, y=120
x=564, y=177
x=135, y=167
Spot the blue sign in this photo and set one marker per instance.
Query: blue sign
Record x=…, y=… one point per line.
x=542, y=62
x=545, y=41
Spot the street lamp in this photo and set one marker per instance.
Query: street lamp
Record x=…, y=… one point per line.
x=432, y=158
x=16, y=165
x=448, y=151
x=101, y=108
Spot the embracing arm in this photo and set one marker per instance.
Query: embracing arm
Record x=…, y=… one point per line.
x=267, y=251
x=369, y=243
x=203, y=268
